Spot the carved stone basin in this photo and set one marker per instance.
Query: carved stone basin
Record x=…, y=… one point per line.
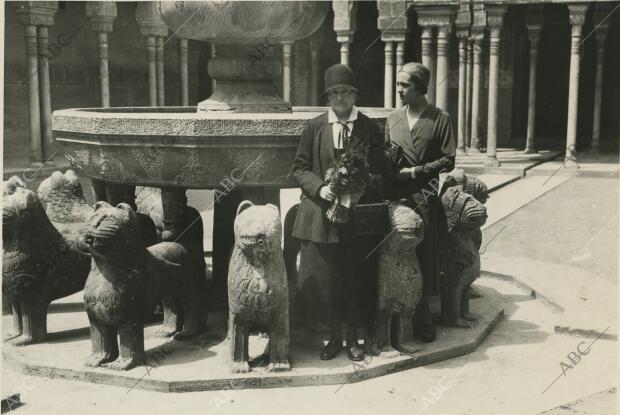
x=176, y=146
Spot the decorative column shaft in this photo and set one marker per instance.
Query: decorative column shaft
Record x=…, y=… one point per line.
x=496, y=15
x=388, y=88
x=345, y=25
x=344, y=53
x=152, y=65
x=577, y=14
x=392, y=22
x=183, y=69
x=534, y=36
x=102, y=15
x=153, y=28
x=34, y=109
x=468, y=90
x=475, y=100
x=104, y=73
x=159, y=41
x=601, y=23
x=314, y=71
x=286, y=71
x=427, y=60
x=443, y=44
x=47, y=142
x=33, y=14
x=462, y=120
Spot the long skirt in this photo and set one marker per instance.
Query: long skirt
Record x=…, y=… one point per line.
x=430, y=210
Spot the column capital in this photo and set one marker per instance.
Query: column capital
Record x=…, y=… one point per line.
x=577, y=13
x=463, y=20
x=102, y=15
x=435, y=15
x=35, y=13
x=534, y=17
x=392, y=20
x=495, y=15
x=345, y=19
x=599, y=16
x=149, y=19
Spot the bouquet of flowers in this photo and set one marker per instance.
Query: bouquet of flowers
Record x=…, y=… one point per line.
x=347, y=177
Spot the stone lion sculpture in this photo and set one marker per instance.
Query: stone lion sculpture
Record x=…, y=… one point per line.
x=39, y=265
x=399, y=285
x=470, y=184
x=129, y=281
x=460, y=257
x=64, y=202
x=257, y=286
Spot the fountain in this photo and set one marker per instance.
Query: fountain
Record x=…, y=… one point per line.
x=240, y=141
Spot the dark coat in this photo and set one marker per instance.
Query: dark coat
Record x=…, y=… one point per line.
x=314, y=156
x=430, y=149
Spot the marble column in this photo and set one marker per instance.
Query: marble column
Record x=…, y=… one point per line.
x=462, y=117
x=577, y=15
x=443, y=46
x=315, y=76
x=34, y=109
x=159, y=53
x=153, y=28
x=400, y=61
x=601, y=23
x=102, y=15
x=534, y=26
x=152, y=65
x=36, y=17
x=184, y=71
x=345, y=25
x=530, y=148
x=286, y=70
x=344, y=53
x=427, y=60
x=468, y=90
x=388, y=77
x=475, y=99
x=47, y=142
x=495, y=18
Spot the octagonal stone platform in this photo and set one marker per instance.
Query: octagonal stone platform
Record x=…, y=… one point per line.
x=203, y=363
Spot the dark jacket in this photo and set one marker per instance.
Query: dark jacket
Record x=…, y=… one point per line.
x=430, y=148
x=314, y=156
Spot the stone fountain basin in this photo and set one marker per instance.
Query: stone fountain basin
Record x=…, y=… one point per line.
x=176, y=146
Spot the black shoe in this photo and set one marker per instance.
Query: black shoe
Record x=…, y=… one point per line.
x=427, y=332
x=355, y=351
x=331, y=350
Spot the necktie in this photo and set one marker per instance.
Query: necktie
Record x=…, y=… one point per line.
x=343, y=137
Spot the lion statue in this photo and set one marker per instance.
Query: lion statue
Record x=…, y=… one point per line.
x=129, y=281
x=39, y=265
x=257, y=286
x=399, y=285
x=460, y=257
x=471, y=185
x=64, y=202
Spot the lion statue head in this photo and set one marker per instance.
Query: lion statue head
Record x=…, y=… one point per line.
x=407, y=228
x=112, y=232
x=24, y=222
x=62, y=196
x=462, y=209
x=470, y=184
x=258, y=229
